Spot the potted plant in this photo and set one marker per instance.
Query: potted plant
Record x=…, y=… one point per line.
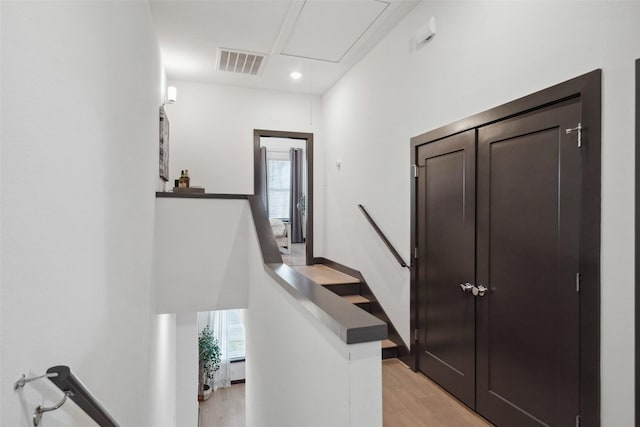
x=209, y=361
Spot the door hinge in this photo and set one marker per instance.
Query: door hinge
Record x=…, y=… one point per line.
x=577, y=282
x=577, y=420
x=576, y=129
x=415, y=253
x=414, y=169
x=415, y=335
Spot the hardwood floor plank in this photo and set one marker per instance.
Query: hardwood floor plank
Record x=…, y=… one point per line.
x=225, y=408
x=297, y=256
x=409, y=399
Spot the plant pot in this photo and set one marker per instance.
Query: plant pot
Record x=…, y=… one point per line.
x=207, y=392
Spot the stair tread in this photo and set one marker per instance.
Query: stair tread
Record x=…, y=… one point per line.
x=388, y=344
x=356, y=299
x=324, y=275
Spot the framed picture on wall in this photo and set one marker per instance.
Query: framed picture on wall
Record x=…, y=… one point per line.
x=164, y=145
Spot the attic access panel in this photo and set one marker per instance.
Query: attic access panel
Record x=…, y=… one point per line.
x=326, y=31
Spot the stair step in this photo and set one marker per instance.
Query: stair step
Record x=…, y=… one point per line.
x=389, y=349
x=356, y=299
x=389, y=344
x=324, y=275
x=348, y=287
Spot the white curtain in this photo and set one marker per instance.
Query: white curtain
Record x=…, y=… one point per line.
x=217, y=321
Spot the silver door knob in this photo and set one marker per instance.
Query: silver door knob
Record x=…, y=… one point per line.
x=479, y=291
x=466, y=287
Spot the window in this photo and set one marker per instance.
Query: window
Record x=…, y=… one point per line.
x=235, y=335
x=228, y=329
x=278, y=187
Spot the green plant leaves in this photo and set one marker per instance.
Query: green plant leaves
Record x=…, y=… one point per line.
x=209, y=352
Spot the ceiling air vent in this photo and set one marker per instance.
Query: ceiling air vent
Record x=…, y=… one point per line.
x=236, y=61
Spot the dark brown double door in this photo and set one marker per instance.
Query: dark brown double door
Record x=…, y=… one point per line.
x=499, y=208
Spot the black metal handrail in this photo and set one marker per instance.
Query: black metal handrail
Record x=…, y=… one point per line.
x=386, y=241
x=66, y=381
x=73, y=389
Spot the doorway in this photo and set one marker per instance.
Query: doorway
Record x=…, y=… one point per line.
x=505, y=304
x=283, y=178
x=221, y=367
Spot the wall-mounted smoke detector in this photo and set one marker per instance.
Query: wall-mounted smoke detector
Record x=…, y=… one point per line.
x=236, y=61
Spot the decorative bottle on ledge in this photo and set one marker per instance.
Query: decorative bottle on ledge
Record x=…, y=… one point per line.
x=181, y=182
x=187, y=180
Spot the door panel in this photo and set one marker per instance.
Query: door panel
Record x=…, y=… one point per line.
x=446, y=237
x=527, y=256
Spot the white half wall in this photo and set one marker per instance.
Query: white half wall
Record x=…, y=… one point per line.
x=298, y=372
x=484, y=54
x=80, y=95
x=212, y=128
x=201, y=254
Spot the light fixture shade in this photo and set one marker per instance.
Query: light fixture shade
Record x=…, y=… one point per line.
x=171, y=94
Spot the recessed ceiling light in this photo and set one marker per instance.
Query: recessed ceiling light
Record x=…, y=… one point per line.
x=296, y=75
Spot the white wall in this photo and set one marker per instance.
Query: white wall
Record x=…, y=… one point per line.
x=485, y=54
x=187, y=369
x=163, y=367
x=80, y=95
x=298, y=372
x=1, y=32
x=200, y=254
x=212, y=136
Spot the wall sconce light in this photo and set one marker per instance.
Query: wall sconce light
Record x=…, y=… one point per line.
x=171, y=95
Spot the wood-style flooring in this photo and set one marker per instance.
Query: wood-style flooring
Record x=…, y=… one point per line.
x=225, y=408
x=409, y=399
x=297, y=255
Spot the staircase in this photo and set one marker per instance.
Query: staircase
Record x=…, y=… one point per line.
x=351, y=289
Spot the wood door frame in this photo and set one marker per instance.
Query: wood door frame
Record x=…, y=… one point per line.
x=308, y=137
x=637, y=245
x=587, y=87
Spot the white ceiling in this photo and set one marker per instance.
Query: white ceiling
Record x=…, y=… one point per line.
x=321, y=39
